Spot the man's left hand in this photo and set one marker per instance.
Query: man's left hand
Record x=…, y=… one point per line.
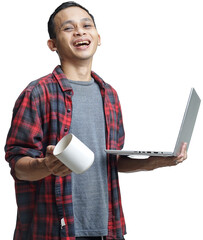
x=182, y=156
x=171, y=161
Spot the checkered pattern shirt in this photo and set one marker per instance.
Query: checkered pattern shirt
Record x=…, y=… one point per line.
x=41, y=117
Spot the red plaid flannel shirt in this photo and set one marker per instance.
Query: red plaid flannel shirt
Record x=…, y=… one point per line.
x=41, y=117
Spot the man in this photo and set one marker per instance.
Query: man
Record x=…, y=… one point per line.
x=54, y=203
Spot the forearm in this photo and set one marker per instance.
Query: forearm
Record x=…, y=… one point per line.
x=126, y=164
x=31, y=169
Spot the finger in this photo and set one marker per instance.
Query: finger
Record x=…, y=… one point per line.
x=180, y=158
x=65, y=173
x=61, y=171
x=184, y=148
x=184, y=151
x=54, y=164
x=51, y=162
x=50, y=149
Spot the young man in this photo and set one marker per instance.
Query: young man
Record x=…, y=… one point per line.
x=54, y=203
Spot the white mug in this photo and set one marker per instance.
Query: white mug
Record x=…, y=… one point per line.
x=74, y=154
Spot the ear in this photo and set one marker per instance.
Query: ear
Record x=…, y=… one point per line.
x=99, y=40
x=52, y=45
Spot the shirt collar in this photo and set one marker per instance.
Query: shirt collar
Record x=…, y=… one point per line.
x=99, y=80
x=64, y=83
x=61, y=78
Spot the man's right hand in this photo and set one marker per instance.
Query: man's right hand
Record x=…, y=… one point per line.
x=55, y=166
x=34, y=169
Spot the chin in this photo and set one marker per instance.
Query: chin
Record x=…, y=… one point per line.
x=85, y=57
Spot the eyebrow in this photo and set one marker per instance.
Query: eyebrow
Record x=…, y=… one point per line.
x=72, y=21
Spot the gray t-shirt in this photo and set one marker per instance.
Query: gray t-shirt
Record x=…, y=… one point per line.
x=90, y=189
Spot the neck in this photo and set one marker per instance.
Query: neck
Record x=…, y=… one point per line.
x=77, y=71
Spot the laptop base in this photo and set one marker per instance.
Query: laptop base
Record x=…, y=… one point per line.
x=144, y=153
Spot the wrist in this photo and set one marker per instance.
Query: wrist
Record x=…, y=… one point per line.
x=157, y=162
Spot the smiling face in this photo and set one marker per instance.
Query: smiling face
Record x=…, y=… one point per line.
x=76, y=35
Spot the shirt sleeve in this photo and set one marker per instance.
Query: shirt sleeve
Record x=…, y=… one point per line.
x=121, y=131
x=25, y=134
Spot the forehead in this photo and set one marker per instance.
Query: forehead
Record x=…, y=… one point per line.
x=72, y=13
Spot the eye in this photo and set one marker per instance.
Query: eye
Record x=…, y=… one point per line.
x=87, y=26
x=68, y=28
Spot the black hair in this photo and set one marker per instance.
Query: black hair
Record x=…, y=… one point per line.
x=51, y=26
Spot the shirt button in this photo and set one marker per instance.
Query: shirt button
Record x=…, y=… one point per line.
x=65, y=129
x=68, y=110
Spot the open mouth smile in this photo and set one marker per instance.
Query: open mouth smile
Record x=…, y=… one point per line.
x=82, y=44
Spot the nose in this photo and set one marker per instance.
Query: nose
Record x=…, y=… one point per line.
x=79, y=31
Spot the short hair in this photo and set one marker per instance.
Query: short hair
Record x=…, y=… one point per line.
x=51, y=25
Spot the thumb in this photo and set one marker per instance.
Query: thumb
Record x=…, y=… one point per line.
x=50, y=149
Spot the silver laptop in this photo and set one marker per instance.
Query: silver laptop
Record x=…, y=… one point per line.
x=185, y=132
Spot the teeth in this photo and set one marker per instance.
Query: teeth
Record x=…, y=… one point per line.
x=81, y=43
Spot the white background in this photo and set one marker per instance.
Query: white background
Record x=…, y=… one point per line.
x=152, y=54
